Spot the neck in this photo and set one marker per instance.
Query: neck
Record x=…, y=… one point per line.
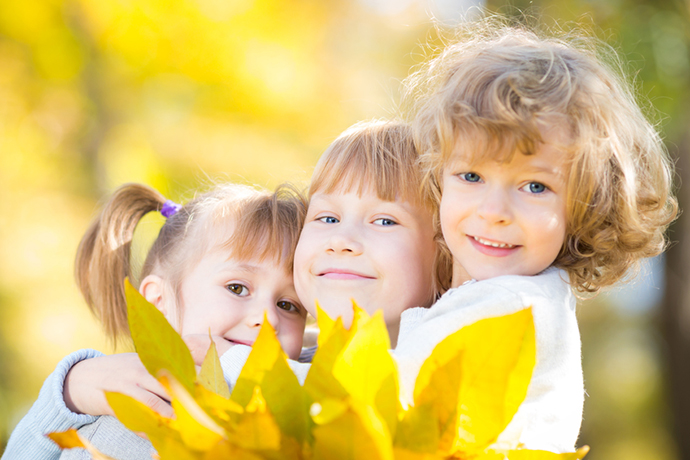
x=393, y=330
x=460, y=275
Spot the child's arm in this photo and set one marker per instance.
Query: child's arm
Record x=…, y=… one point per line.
x=75, y=390
x=124, y=373
x=112, y=438
x=48, y=414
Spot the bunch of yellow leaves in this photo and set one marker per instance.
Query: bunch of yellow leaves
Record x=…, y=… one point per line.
x=466, y=393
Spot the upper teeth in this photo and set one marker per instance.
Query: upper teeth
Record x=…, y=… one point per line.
x=491, y=243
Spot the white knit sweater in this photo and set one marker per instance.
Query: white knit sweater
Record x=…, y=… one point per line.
x=550, y=417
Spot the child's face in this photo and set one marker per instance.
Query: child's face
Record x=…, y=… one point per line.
x=230, y=297
x=504, y=218
x=379, y=253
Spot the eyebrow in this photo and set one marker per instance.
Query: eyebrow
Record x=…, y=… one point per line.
x=246, y=267
x=547, y=170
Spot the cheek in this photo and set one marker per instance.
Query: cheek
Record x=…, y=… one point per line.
x=550, y=234
x=413, y=270
x=452, y=214
x=303, y=288
x=291, y=336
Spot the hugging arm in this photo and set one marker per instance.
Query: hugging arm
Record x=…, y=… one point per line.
x=75, y=389
x=48, y=414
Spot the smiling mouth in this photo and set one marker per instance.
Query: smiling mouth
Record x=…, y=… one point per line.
x=343, y=275
x=493, y=244
x=248, y=343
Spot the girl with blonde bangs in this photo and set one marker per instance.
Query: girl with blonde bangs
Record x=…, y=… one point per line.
x=219, y=264
x=369, y=233
x=380, y=156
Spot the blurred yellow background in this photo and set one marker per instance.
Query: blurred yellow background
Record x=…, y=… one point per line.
x=178, y=93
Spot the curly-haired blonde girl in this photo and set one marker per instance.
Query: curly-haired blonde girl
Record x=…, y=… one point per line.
x=548, y=180
x=492, y=94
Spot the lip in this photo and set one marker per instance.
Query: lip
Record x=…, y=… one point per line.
x=491, y=250
x=343, y=274
x=248, y=343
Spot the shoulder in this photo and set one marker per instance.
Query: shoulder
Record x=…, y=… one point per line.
x=507, y=294
x=552, y=283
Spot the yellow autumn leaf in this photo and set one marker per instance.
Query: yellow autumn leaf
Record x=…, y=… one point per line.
x=159, y=346
x=141, y=418
x=70, y=439
x=352, y=431
x=138, y=416
x=197, y=429
x=326, y=325
x=493, y=365
x=526, y=454
x=366, y=368
x=266, y=366
x=225, y=450
x=211, y=373
x=404, y=454
x=418, y=430
x=320, y=382
x=67, y=439
x=223, y=410
x=256, y=430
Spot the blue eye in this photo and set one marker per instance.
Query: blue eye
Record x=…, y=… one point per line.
x=536, y=187
x=239, y=290
x=470, y=177
x=385, y=222
x=328, y=220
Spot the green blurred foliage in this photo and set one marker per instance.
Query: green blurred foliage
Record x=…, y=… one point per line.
x=179, y=93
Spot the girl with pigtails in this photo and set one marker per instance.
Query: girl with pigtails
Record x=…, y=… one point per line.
x=222, y=262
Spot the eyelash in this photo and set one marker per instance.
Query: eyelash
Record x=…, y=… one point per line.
x=293, y=307
x=545, y=188
x=324, y=218
x=244, y=290
x=463, y=177
x=392, y=222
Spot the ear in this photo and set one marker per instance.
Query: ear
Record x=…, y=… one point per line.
x=153, y=290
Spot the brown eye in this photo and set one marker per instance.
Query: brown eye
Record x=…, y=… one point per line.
x=287, y=306
x=238, y=289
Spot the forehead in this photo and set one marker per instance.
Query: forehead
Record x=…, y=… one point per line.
x=224, y=257
x=551, y=143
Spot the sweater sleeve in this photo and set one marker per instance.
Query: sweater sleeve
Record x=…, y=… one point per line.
x=113, y=439
x=48, y=414
x=232, y=362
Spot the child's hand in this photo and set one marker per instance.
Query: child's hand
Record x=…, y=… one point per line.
x=198, y=344
x=123, y=373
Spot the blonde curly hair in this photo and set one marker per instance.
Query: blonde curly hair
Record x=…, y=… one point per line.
x=493, y=87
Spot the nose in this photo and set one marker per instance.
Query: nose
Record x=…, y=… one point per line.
x=344, y=240
x=260, y=311
x=495, y=206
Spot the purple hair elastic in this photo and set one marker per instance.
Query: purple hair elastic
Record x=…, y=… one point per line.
x=170, y=208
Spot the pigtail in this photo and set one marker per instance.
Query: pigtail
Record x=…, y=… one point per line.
x=103, y=256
